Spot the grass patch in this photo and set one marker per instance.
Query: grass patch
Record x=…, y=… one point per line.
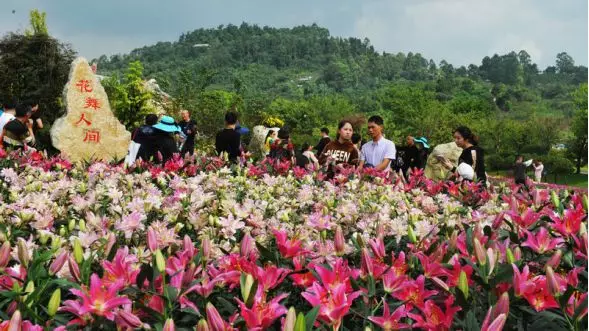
x=576, y=180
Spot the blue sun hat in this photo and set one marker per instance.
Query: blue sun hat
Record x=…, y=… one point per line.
x=167, y=124
x=423, y=141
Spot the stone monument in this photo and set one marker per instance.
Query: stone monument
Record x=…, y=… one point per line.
x=256, y=146
x=433, y=168
x=89, y=130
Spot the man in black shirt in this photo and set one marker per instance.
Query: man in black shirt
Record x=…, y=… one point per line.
x=228, y=140
x=323, y=142
x=188, y=127
x=520, y=171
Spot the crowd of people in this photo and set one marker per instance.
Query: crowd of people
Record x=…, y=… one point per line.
x=162, y=136
x=18, y=124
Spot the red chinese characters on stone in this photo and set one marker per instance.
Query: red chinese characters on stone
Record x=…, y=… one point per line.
x=92, y=103
x=83, y=119
x=92, y=136
x=84, y=85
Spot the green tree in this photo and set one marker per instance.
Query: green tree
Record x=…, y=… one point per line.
x=129, y=98
x=38, y=26
x=564, y=63
x=36, y=67
x=578, y=143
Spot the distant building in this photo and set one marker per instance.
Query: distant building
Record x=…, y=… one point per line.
x=200, y=45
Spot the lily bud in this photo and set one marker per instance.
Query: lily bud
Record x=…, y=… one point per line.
x=71, y=225
x=151, y=239
x=214, y=319
x=463, y=283
x=479, y=252
x=129, y=318
x=160, y=262
x=110, y=242
x=367, y=266
x=202, y=325
x=206, y=248
x=585, y=202
x=339, y=241
x=246, y=245
x=554, y=261
x=15, y=321
x=82, y=225
x=502, y=306
x=300, y=324
x=23, y=252
x=491, y=258
x=169, y=326
x=43, y=238
x=552, y=282
x=291, y=319
x=62, y=231
x=55, y=242
x=453, y=239
x=78, y=251
x=509, y=256
x=54, y=302
x=74, y=268
x=5, y=254
x=517, y=253
x=411, y=234
x=58, y=263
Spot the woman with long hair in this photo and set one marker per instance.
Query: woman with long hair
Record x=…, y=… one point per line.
x=341, y=150
x=472, y=153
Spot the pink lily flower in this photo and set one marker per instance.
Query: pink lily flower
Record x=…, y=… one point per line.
x=335, y=303
x=435, y=317
x=262, y=314
x=390, y=321
x=99, y=300
x=414, y=292
x=377, y=246
x=541, y=298
x=541, y=241
x=123, y=267
x=391, y=281
x=288, y=247
x=574, y=302
x=431, y=268
x=570, y=222
x=270, y=276
x=526, y=219
x=521, y=281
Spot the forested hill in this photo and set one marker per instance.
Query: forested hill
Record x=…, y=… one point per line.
x=308, y=78
x=267, y=58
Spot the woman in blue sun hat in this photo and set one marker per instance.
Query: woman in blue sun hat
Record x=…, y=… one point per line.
x=165, y=143
x=423, y=147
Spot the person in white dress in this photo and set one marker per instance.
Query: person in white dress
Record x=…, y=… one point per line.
x=538, y=169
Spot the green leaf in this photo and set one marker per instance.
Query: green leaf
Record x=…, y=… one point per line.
x=311, y=317
x=265, y=254
x=371, y=286
x=580, y=309
x=471, y=323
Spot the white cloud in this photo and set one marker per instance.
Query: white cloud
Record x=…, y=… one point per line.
x=464, y=31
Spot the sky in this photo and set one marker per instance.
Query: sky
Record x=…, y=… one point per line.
x=458, y=31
